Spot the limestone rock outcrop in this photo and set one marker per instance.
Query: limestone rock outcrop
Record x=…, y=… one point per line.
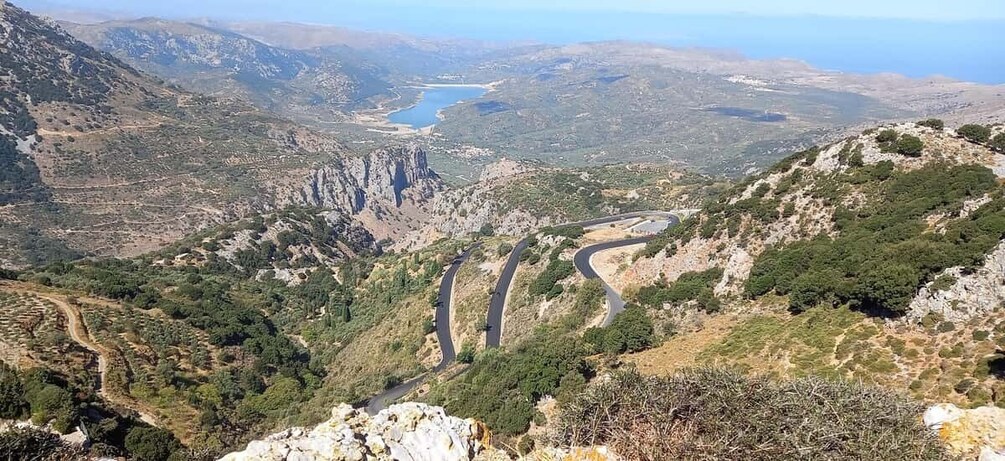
x=387, y=178
x=978, y=433
x=972, y=294
x=407, y=431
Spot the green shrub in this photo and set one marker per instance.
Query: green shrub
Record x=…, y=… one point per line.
x=910, y=146
x=946, y=327
x=504, y=249
x=943, y=282
x=974, y=133
x=687, y=287
x=555, y=271
x=886, y=136
x=631, y=331
x=467, y=354
x=998, y=143
x=932, y=123
x=151, y=444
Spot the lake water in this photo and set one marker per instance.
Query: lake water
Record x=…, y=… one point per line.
x=433, y=100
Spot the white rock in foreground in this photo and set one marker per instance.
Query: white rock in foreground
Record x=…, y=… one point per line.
x=978, y=432
x=407, y=431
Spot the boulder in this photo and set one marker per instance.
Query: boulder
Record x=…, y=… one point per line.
x=978, y=433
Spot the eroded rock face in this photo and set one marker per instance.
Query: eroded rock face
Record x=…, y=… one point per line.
x=407, y=431
x=386, y=178
x=971, y=295
x=976, y=434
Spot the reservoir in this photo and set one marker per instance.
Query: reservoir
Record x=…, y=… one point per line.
x=433, y=100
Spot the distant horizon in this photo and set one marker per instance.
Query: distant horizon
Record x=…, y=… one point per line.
x=960, y=48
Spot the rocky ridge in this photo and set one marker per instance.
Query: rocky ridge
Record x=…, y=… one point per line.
x=810, y=214
x=214, y=61
x=403, y=432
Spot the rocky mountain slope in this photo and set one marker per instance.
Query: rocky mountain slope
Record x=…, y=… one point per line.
x=875, y=258
x=298, y=84
x=110, y=161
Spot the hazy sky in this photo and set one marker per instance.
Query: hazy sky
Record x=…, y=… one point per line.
x=956, y=38
x=939, y=10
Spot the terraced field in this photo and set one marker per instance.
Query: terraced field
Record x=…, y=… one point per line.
x=150, y=358
x=33, y=332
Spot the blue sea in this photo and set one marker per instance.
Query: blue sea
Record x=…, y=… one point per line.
x=433, y=100
x=966, y=50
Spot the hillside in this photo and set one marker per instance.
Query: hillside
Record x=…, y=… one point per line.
x=306, y=85
x=516, y=197
x=100, y=158
x=875, y=258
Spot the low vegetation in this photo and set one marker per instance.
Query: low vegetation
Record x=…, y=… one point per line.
x=47, y=398
x=883, y=253
x=718, y=414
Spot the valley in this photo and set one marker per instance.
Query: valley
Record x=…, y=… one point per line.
x=379, y=246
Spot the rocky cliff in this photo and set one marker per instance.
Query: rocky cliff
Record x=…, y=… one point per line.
x=386, y=177
x=386, y=190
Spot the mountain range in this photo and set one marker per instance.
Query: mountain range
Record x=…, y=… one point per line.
x=620, y=251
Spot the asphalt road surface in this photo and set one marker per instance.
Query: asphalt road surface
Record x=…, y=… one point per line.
x=497, y=304
x=442, y=316
x=615, y=305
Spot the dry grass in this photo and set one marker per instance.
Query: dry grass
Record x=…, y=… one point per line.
x=706, y=414
x=932, y=366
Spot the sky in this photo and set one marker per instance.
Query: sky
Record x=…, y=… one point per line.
x=956, y=38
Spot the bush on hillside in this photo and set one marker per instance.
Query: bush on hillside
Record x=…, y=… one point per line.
x=719, y=414
x=887, y=135
x=631, y=331
x=975, y=133
x=545, y=282
x=998, y=143
x=910, y=146
x=151, y=444
x=933, y=123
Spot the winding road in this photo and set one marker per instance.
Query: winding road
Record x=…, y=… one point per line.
x=443, y=337
x=497, y=305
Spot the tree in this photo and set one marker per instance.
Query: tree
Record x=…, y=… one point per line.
x=974, y=133
x=888, y=287
x=998, y=143
x=487, y=230
x=886, y=136
x=151, y=444
x=631, y=331
x=55, y=404
x=910, y=146
x=12, y=402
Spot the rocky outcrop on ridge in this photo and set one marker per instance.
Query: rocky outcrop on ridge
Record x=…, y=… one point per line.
x=407, y=431
x=387, y=177
x=977, y=433
x=971, y=295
